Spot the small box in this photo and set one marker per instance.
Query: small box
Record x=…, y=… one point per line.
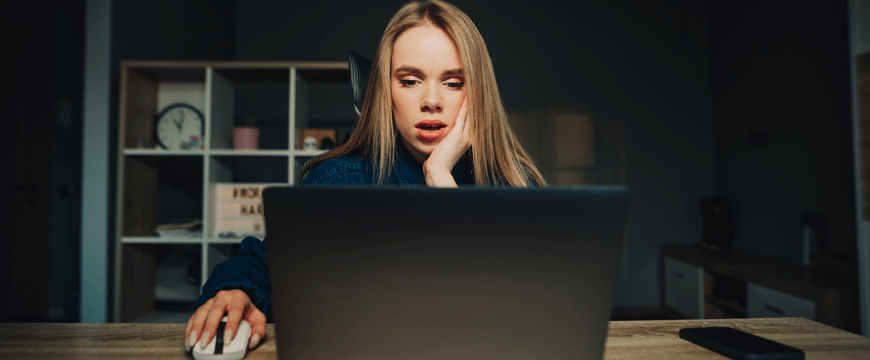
x=317, y=134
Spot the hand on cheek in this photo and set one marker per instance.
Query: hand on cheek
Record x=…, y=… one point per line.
x=448, y=152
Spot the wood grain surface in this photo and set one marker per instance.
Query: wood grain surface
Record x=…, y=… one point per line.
x=625, y=340
x=106, y=341
x=661, y=339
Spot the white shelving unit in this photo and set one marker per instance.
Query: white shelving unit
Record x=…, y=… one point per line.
x=156, y=185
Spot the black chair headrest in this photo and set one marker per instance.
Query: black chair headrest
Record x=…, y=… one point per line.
x=360, y=68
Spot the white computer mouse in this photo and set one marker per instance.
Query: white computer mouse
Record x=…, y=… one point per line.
x=217, y=350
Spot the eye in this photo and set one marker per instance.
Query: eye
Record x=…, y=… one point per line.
x=454, y=84
x=408, y=82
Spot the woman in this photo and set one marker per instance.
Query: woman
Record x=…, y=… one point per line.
x=432, y=115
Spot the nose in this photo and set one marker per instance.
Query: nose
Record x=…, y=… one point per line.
x=431, y=101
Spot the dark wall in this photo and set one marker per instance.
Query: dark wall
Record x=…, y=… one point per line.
x=40, y=146
x=782, y=121
x=173, y=30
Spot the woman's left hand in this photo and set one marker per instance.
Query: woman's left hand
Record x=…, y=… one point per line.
x=447, y=153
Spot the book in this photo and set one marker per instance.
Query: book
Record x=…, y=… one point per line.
x=180, y=228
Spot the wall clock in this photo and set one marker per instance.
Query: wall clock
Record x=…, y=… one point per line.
x=180, y=127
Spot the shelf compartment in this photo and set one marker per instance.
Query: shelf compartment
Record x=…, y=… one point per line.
x=239, y=94
x=137, y=280
x=721, y=309
x=178, y=274
x=145, y=91
x=724, y=296
x=255, y=171
x=158, y=190
x=159, y=279
x=324, y=100
x=725, y=290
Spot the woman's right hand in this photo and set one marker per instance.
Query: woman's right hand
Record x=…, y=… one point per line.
x=447, y=153
x=237, y=306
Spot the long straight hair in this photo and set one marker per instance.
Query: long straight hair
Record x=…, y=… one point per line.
x=496, y=154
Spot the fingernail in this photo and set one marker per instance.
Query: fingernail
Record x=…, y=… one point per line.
x=203, y=342
x=191, y=340
x=228, y=335
x=254, y=341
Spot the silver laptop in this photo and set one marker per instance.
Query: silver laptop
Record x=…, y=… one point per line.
x=418, y=273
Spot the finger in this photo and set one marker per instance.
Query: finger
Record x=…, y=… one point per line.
x=459, y=124
x=463, y=129
x=189, y=325
x=187, y=333
x=213, y=319
x=257, y=321
x=188, y=341
x=234, y=315
x=198, y=319
x=463, y=113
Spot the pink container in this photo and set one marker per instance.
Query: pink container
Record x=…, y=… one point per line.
x=245, y=138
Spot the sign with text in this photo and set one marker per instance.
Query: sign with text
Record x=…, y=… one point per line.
x=238, y=209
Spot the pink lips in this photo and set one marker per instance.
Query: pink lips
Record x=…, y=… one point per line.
x=431, y=130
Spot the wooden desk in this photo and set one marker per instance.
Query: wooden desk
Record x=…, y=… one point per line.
x=626, y=340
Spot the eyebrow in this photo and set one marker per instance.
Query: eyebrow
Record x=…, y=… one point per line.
x=413, y=70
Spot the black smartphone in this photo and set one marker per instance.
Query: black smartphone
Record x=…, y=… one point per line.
x=737, y=344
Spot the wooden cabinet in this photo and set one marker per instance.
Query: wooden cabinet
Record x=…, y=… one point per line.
x=155, y=185
x=738, y=284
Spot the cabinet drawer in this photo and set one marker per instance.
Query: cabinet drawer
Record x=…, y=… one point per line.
x=762, y=302
x=684, y=288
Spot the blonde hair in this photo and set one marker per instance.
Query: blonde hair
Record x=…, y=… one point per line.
x=496, y=154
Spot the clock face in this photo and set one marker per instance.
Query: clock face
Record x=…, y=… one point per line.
x=180, y=127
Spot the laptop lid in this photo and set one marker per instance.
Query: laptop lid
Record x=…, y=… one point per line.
x=421, y=273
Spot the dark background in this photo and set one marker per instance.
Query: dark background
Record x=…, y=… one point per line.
x=745, y=100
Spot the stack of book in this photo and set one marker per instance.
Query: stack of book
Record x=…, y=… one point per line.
x=181, y=228
x=239, y=209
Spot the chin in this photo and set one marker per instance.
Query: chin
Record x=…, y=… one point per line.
x=426, y=149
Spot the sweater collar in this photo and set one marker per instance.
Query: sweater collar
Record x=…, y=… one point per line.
x=408, y=170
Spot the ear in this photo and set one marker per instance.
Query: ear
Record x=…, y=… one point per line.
x=360, y=69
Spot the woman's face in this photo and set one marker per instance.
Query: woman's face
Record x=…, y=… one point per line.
x=427, y=87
